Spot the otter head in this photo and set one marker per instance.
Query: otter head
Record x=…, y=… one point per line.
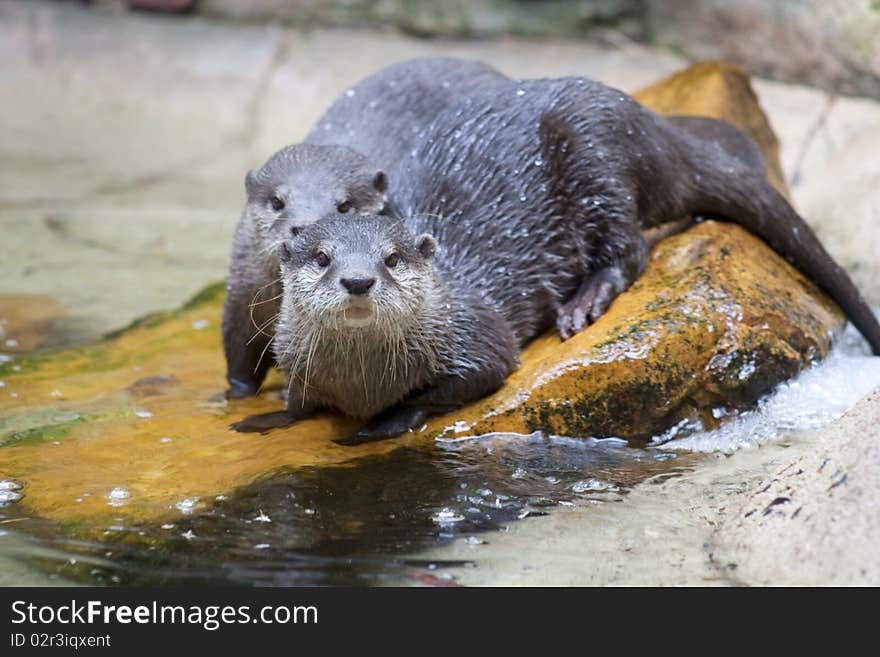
x=352, y=273
x=301, y=183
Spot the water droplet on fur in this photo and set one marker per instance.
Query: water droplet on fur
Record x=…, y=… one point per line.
x=519, y=473
x=350, y=93
x=520, y=92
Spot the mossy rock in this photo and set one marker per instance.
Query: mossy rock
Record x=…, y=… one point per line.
x=717, y=319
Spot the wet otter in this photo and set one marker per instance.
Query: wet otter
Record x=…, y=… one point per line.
x=382, y=114
x=340, y=166
x=549, y=184
x=293, y=188
x=371, y=325
x=537, y=195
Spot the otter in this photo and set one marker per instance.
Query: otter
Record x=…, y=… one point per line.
x=536, y=195
x=372, y=326
x=339, y=167
x=550, y=182
x=293, y=188
x=382, y=115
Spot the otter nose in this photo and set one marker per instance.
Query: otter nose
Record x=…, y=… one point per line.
x=357, y=285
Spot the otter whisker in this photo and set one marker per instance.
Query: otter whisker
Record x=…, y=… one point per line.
x=257, y=303
x=260, y=330
x=263, y=353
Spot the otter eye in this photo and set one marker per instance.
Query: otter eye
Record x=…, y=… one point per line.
x=344, y=207
x=392, y=260
x=294, y=230
x=322, y=259
x=277, y=203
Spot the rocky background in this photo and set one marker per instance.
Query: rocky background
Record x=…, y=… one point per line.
x=832, y=44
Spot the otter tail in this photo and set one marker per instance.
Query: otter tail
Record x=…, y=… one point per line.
x=749, y=200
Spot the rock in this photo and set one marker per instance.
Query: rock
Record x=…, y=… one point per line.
x=26, y=320
x=833, y=45
x=815, y=521
x=716, y=320
x=454, y=18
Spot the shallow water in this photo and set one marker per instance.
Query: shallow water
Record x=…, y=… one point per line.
x=363, y=523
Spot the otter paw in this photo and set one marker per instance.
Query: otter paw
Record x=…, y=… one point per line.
x=240, y=389
x=590, y=301
x=264, y=422
x=386, y=425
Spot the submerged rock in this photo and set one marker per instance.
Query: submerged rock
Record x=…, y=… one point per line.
x=717, y=320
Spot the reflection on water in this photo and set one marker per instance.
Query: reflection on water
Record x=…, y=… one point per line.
x=364, y=523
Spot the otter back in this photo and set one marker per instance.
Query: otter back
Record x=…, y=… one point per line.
x=537, y=192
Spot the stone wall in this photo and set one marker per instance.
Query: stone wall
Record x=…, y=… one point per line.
x=832, y=44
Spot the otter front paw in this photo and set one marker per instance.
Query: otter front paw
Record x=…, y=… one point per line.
x=265, y=422
x=386, y=425
x=240, y=389
x=590, y=301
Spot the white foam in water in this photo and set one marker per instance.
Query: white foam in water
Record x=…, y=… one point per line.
x=812, y=400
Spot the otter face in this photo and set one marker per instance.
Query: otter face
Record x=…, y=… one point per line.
x=301, y=183
x=349, y=273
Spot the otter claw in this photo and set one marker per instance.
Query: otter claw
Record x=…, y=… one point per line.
x=590, y=302
x=388, y=426
x=264, y=422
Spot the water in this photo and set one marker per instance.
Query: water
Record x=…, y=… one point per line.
x=810, y=401
x=362, y=523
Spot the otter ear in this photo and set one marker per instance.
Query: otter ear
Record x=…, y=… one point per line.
x=380, y=181
x=284, y=252
x=250, y=182
x=427, y=246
